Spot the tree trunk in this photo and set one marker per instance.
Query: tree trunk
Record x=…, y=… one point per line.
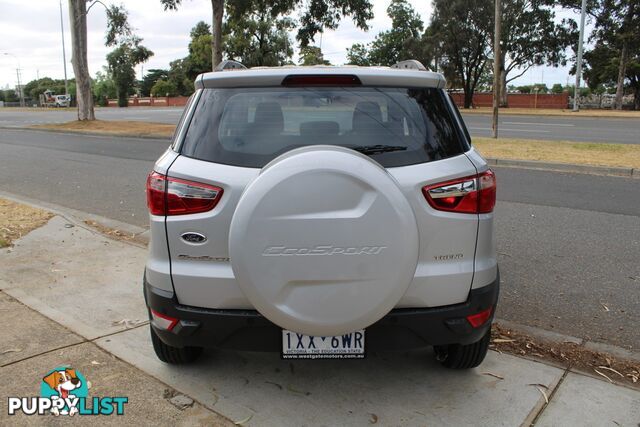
x=216, y=28
x=504, y=100
x=468, y=98
x=636, y=98
x=78, y=24
x=622, y=70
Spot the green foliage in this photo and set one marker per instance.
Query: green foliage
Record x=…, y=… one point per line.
x=460, y=35
x=557, y=88
x=9, y=96
x=117, y=24
x=531, y=36
x=616, y=46
x=122, y=61
x=403, y=41
x=358, y=54
x=315, y=17
x=35, y=88
x=258, y=36
x=312, y=55
x=150, y=79
x=104, y=88
x=178, y=75
x=164, y=88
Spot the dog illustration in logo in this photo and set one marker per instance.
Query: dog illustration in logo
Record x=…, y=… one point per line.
x=63, y=382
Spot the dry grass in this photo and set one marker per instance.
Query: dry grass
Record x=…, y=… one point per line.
x=556, y=112
x=567, y=354
x=584, y=153
x=115, y=233
x=113, y=127
x=16, y=220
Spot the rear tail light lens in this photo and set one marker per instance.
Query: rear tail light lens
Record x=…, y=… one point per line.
x=473, y=195
x=162, y=321
x=174, y=196
x=479, y=319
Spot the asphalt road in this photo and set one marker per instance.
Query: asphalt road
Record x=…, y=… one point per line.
x=569, y=244
x=623, y=130
x=588, y=129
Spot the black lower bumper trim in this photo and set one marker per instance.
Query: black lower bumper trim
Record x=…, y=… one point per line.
x=401, y=329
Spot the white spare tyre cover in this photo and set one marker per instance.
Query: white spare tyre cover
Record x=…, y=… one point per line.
x=323, y=242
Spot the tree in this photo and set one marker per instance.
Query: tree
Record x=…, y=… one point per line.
x=258, y=37
x=150, y=79
x=557, y=88
x=124, y=58
x=199, y=59
x=178, y=75
x=531, y=36
x=78, y=21
x=402, y=41
x=460, y=33
x=602, y=65
x=618, y=25
x=104, y=87
x=116, y=24
x=316, y=16
x=35, y=88
x=164, y=88
x=358, y=54
x=312, y=55
x=122, y=61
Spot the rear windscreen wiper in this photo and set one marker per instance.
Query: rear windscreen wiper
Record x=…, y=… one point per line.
x=375, y=149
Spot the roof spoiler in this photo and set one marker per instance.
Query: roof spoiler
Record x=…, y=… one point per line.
x=229, y=65
x=409, y=64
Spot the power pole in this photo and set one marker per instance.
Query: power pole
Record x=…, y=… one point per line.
x=576, y=93
x=20, y=92
x=496, y=65
x=64, y=54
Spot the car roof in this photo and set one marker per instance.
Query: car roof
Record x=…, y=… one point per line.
x=273, y=76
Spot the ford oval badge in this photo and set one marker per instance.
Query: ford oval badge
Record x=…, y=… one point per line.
x=194, y=238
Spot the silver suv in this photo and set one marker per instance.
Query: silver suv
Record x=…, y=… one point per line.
x=321, y=212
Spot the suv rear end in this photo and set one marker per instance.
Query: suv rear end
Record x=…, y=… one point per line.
x=323, y=205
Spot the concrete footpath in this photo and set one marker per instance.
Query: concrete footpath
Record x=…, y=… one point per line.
x=72, y=296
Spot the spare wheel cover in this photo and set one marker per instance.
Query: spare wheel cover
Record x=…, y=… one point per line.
x=323, y=242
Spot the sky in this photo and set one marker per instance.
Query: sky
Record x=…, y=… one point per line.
x=30, y=37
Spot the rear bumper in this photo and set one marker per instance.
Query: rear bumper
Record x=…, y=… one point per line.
x=401, y=329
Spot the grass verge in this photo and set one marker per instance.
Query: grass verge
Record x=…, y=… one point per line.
x=583, y=153
x=16, y=220
x=113, y=127
x=556, y=112
x=567, y=354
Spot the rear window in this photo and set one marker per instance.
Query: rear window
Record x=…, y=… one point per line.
x=249, y=127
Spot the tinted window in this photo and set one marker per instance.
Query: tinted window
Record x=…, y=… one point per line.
x=251, y=126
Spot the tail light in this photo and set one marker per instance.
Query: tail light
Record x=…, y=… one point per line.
x=174, y=196
x=479, y=319
x=162, y=321
x=473, y=194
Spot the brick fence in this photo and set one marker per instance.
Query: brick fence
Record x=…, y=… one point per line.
x=159, y=101
x=518, y=100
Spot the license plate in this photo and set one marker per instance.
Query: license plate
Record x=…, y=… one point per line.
x=300, y=346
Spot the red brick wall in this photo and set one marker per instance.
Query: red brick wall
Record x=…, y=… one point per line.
x=517, y=100
x=161, y=101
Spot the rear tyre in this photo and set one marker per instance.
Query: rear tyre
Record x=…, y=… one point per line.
x=458, y=356
x=173, y=355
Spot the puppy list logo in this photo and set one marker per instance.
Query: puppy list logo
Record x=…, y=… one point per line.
x=64, y=391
